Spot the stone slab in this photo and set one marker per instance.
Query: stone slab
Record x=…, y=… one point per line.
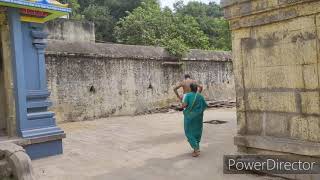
x=149, y=147
x=283, y=145
x=272, y=101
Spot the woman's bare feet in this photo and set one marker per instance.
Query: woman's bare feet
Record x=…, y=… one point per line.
x=196, y=153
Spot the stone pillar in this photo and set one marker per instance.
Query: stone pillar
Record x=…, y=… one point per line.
x=276, y=67
x=2, y=91
x=9, y=107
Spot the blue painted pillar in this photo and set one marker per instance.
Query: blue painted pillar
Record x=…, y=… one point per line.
x=34, y=121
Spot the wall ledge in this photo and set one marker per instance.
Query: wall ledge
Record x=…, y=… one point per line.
x=249, y=13
x=286, y=145
x=120, y=51
x=246, y=7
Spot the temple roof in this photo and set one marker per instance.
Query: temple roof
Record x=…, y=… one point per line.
x=38, y=11
x=43, y=4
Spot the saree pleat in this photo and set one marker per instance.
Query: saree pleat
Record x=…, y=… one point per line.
x=193, y=118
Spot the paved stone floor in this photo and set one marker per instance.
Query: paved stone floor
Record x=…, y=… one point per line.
x=148, y=147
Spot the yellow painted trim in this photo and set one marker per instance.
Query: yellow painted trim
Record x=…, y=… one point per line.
x=52, y=16
x=32, y=19
x=56, y=3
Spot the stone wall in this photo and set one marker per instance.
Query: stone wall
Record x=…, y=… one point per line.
x=2, y=93
x=7, y=101
x=70, y=30
x=90, y=80
x=276, y=67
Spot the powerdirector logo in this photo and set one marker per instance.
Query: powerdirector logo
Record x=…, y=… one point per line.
x=281, y=164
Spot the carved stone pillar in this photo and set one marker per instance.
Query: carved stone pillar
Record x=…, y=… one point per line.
x=277, y=73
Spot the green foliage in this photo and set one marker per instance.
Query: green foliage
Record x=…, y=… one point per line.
x=211, y=21
x=143, y=22
x=140, y=26
x=198, y=9
x=104, y=22
x=149, y=25
x=176, y=46
x=218, y=31
x=105, y=14
x=75, y=6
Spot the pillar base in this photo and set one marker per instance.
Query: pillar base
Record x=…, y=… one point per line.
x=41, y=150
x=43, y=146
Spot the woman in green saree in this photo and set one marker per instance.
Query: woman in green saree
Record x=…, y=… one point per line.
x=194, y=105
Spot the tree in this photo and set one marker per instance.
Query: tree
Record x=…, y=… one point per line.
x=218, y=31
x=75, y=6
x=104, y=22
x=105, y=14
x=211, y=21
x=149, y=25
x=194, y=25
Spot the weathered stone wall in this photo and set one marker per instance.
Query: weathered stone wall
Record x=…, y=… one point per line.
x=70, y=30
x=2, y=93
x=98, y=80
x=7, y=102
x=276, y=67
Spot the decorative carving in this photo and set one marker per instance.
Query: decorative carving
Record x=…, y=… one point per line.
x=39, y=39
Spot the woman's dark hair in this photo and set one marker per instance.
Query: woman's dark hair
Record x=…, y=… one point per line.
x=194, y=87
x=186, y=76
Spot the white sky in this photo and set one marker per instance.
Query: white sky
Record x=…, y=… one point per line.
x=170, y=2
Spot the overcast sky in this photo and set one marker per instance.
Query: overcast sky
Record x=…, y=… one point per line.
x=170, y=2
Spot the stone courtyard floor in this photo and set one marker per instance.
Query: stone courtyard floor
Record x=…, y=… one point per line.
x=147, y=147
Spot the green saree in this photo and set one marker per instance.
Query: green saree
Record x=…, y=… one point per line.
x=193, y=118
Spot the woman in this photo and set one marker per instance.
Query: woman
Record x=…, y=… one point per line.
x=194, y=105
